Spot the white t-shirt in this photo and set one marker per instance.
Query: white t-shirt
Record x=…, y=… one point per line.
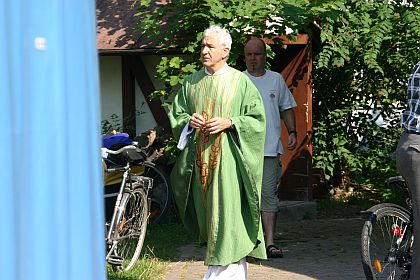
x=277, y=98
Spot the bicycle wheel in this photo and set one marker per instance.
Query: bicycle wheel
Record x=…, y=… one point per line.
x=386, y=240
x=160, y=194
x=130, y=231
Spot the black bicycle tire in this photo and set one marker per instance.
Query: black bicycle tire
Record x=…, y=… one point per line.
x=129, y=194
x=380, y=213
x=156, y=218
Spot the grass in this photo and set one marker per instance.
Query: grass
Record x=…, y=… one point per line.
x=348, y=201
x=160, y=247
x=336, y=208
x=163, y=240
x=147, y=268
x=345, y=202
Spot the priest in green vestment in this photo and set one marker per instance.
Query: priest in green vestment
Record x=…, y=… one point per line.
x=218, y=119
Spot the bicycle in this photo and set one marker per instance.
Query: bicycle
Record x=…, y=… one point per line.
x=387, y=238
x=161, y=194
x=150, y=144
x=126, y=231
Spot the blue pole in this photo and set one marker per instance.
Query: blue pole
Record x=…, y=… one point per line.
x=51, y=199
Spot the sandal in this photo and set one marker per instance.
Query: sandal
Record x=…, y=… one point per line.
x=274, y=252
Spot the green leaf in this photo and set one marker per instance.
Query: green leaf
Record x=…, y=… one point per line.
x=175, y=62
x=174, y=80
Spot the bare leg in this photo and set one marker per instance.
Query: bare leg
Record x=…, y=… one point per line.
x=269, y=225
x=271, y=176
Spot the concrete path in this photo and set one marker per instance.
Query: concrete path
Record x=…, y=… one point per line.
x=313, y=249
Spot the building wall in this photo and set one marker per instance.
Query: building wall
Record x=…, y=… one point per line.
x=110, y=86
x=111, y=91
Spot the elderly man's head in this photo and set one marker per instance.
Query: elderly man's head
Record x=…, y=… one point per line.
x=215, y=48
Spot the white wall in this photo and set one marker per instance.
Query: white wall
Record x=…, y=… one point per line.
x=111, y=91
x=110, y=86
x=144, y=118
x=150, y=62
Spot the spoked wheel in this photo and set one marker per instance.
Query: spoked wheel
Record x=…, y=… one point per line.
x=160, y=194
x=130, y=230
x=386, y=240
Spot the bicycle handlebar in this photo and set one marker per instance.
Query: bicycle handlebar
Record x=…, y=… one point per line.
x=106, y=151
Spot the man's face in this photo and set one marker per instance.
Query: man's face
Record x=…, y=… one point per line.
x=213, y=54
x=255, y=56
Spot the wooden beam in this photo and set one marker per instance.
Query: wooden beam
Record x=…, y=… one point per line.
x=128, y=97
x=146, y=86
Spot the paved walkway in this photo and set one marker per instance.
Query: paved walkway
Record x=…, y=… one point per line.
x=313, y=249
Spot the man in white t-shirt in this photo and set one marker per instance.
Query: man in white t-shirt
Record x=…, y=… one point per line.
x=279, y=104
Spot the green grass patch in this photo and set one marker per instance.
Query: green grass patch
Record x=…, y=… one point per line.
x=333, y=208
x=348, y=201
x=161, y=246
x=163, y=241
x=147, y=268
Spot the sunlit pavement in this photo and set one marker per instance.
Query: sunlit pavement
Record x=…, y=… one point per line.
x=313, y=249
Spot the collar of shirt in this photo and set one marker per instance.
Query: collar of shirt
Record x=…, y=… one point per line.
x=263, y=76
x=222, y=70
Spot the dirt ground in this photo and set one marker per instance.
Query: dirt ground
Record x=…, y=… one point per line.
x=313, y=249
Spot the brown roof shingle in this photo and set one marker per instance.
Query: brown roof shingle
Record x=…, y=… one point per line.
x=115, y=22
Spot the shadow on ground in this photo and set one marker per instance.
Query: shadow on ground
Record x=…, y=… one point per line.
x=313, y=249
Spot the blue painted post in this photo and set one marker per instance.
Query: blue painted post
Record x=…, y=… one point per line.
x=51, y=196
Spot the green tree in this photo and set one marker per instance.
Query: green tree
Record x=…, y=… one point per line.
x=360, y=77
x=367, y=51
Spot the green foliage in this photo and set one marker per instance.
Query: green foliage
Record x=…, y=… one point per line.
x=115, y=122
x=367, y=51
x=337, y=208
x=185, y=21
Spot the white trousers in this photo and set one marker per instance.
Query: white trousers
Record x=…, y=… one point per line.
x=233, y=271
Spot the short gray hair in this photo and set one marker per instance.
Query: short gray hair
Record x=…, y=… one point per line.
x=223, y=34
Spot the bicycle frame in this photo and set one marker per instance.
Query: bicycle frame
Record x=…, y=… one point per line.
x=131, y=186
x=119, y=196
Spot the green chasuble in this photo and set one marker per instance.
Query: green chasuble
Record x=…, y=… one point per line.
x=216, y=180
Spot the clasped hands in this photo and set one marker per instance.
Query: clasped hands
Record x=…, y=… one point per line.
x=213, y=125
